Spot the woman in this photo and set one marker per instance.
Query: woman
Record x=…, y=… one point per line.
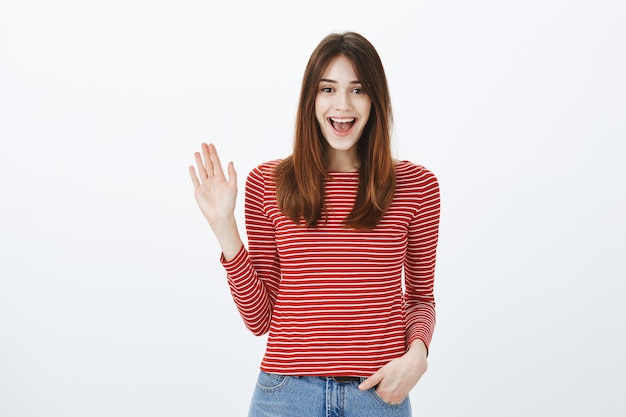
x=331, y=229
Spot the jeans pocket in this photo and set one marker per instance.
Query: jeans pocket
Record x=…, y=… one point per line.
x=379, y=399
x=270, y=382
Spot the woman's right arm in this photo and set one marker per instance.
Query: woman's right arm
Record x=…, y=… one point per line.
x=253, y=276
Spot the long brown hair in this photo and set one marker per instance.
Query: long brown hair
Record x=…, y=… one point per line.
x=300, y=177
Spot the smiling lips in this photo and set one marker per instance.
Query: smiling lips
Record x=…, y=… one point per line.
x=342, y=125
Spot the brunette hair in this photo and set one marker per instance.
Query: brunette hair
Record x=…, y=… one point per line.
x=300, y=177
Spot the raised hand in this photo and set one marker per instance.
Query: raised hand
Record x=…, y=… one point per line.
x=216, y=196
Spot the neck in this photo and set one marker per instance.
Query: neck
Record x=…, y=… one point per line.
x=343, y=161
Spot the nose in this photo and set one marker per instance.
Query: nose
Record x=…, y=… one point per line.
x=344, y=101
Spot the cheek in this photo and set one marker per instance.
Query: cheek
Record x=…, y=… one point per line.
x=366, y=112
x=319, y=113
x=367, y=107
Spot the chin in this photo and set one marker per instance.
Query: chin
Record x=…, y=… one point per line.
x=341, y=144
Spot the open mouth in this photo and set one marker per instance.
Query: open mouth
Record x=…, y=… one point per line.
x=342, y=125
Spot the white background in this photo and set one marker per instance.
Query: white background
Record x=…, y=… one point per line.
x=112, y=299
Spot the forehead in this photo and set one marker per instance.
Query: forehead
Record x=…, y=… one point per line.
x=340, y=68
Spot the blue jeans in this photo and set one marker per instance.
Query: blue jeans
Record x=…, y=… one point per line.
x=312, y=396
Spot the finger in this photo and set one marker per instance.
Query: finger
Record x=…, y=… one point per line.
x=215, y=160
x=201, y=170
x=232, y=174
x=370, y=382
x=208, y=163
x=194, y=177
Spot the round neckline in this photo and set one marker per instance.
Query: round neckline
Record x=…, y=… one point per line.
x=347, y=177
x=343, y=173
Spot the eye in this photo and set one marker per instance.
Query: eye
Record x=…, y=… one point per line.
x=358, y=91
x=326, y=90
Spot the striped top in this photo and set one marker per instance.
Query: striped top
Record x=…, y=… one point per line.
x=333, y=299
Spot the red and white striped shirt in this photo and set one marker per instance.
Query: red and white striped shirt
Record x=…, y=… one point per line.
x=332, y=298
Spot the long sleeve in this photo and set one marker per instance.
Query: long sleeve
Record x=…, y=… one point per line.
x=254, y=274
x=419, y=267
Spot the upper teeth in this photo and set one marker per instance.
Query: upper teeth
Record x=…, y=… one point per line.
x=342, y=120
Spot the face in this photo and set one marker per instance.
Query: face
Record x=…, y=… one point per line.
x=342, y=108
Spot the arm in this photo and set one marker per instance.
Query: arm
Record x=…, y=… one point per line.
x=395, y=380
x=216, y=197
x=254, y=275
x=420, y=264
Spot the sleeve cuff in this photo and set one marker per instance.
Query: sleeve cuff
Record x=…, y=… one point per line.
x=237, y=261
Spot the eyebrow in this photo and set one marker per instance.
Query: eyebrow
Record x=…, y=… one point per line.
x=326, y=80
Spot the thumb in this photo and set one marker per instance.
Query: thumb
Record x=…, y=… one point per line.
x=372, y=381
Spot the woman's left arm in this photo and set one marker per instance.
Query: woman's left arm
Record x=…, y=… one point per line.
x=395, y=380
x=419, y=263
